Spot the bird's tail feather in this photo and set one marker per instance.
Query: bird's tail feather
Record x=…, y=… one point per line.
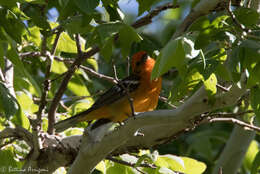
x=70, y=122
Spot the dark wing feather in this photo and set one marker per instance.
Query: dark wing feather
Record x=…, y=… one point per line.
x=118, y=91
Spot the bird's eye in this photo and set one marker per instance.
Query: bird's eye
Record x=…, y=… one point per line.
x=144, y=57
x=138, y=63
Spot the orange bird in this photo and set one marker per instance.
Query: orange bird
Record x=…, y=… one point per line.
x=114, y=104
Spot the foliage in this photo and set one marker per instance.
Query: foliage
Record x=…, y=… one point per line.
x=215, y=50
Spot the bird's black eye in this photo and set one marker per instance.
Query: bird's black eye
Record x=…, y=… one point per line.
x=138, y=63
x=144, y=57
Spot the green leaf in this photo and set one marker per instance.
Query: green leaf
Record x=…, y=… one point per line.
x=256, y=164
x=247, y=16
x=210, y=85
x=8, y=155
x=127, y=36
x=26, y=102
x=35, y=36
x=101, y=167
x=254, y=76
x=250, y=156
x=13, y=26
x=193, y=166
x=73, y=131
x=21, y=119
x=77, y=86
x=255, y=100
x=78, y=24
x=36, y=16
x=172, y=55
x=145, y=5
x=171, y=162
x=107, y=49
x=87, y=6
x=12, y=55
x=119, y=169
x=66, y=44
x=108, y=29
x=58, y=67
x=8, y=102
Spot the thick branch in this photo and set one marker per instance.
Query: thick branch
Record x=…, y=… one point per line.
x=157, y=127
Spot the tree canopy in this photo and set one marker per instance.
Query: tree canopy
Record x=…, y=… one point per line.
x=57, y=57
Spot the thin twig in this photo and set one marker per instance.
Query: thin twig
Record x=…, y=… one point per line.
x=64, y=83
x=235, y=121
x=214, y=115
x=46, y=83
x=222, y=88
x=98, y=75
x=165, y=100
x=148, y=18
x=233, y=17
x=130, y=164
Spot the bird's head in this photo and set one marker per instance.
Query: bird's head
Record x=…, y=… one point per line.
x=142, y=63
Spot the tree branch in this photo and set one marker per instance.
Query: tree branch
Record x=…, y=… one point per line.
x=148, y=18
x=235, y=121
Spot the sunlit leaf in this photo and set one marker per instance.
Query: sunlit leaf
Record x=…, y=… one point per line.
x=210, y=85
x=256, y=164
x=251, y=155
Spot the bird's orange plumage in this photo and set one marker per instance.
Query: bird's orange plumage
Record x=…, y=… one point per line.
x=145, y=95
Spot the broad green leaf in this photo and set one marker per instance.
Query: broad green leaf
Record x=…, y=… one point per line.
x=106, y=50
x=210, y=85
x=254, y=76
x=247, y=16
x=26, y=102
x=35, y=36
x=112, y=10
x=81, y=105
x=101, y=167
x=251, y=155
x=73, y=131
x=21, y=119
x=256, y=164
x=87, y=6
x=171, y=162
x=255, y=100
x=145, y=5
x=58, y=67
x=127, y=36
x=13, y=26
x=119, y=169
x=77, y=86
x=108, y=29
x=8, y=102
x=193, y=166
x=35, y=13
x=8, y=155
x=66, y=44
x=172, y=55
x=200, y=24
x=78, y=24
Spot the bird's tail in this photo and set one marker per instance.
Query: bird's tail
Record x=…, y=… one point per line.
x=70, y=122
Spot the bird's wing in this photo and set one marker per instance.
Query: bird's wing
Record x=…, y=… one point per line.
x=118, y=91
